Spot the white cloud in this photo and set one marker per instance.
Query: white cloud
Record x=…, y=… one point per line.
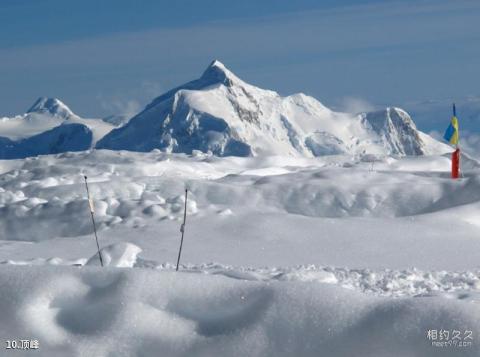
x=470, y=142
x=355, y=105
x=118, y=106
x=130, y=102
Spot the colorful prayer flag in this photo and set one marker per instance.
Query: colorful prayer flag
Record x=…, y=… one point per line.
x=451, y=134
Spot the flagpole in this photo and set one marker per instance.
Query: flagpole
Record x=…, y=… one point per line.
x=93, y=220
x=456, y=153
x=458, y=142
x=455, y=115
x=182, y=229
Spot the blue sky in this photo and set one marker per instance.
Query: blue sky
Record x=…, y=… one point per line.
x=104, y=57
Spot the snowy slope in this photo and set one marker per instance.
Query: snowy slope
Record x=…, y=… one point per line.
x=48, y=127
x=116, y=119
x=221, y=113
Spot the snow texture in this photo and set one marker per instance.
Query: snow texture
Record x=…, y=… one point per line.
x=137, y=312
x=121, y=255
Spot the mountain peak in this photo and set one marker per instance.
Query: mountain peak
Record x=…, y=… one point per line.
x=217, y=63
x=217, y=72
x=52, y=106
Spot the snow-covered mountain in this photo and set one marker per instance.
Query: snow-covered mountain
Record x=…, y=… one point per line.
x=51, y=106
x=48, y=127
x=397, y=134
x=221, y=113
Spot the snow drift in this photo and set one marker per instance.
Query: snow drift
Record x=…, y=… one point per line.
x=221, y=113
x=121, y=255
x=137, y=312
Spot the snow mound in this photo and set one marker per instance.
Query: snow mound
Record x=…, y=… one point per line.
x=222, y=114
x=40, y=197
x=121, y=255
x=377, y=282
x=104, y=312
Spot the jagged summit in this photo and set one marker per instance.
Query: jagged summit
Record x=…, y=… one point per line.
x=217, y=64
x=52, y=106
x=216, y=72
x=396, y=129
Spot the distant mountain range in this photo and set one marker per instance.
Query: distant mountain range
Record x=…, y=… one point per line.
x=48, y=127
x=222, y=114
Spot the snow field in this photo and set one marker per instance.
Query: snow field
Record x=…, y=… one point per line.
x=39, y=198
x=314, y=256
